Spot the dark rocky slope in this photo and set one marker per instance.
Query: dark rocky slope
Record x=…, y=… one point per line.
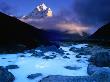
x=15, y=34
x=102, y=33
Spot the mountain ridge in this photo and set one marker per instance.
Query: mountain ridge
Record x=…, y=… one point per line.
x=14, y=32
x=102, y=33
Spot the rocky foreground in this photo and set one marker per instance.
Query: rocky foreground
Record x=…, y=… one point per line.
x=98, y=68
x=96, y=75
x=52, y=64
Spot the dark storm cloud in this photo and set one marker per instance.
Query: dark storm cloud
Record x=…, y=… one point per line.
x=6, y=8
x=92, y=12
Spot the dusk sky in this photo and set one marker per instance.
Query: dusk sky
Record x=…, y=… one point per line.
x=89, y=13
x=23, y=7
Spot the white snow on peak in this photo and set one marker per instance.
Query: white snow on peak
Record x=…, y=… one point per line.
x=23, y=16
x=49, y=9
x=41, y=11
x=42, y=7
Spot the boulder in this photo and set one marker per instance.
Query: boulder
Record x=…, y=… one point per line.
x=52, y=48
x=78, y=56
x=6, y=76
x=58, y=78
x=12, y=67
x=72, y=68
x=48, y=48
x=22, y=56
x=101, y=59
x=38, y=54
x=3, y=58
x=66, y=57
x=60, y=51
x=9, y=61
x=72, y=49
x=67, y=54
x=85, y=53
x=49, y=57
x=103, y=75
x=33, y=76
x=91, y=69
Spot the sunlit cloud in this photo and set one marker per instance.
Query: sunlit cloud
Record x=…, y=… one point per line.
x=72, y=28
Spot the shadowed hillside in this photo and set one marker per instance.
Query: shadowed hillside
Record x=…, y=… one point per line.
x=102, y=35
x=13, y=32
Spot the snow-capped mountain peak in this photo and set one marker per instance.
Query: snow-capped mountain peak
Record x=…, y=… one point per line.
x=40, y=11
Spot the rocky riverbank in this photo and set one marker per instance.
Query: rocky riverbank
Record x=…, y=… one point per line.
x=98, y=68
x=68, y=63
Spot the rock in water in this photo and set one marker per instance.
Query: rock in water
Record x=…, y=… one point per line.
x=72, y=68
x=33, y=76
x=49, y=57
x=78, y=56
x=66, y=57
x=5, y=75
x=12, y=67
